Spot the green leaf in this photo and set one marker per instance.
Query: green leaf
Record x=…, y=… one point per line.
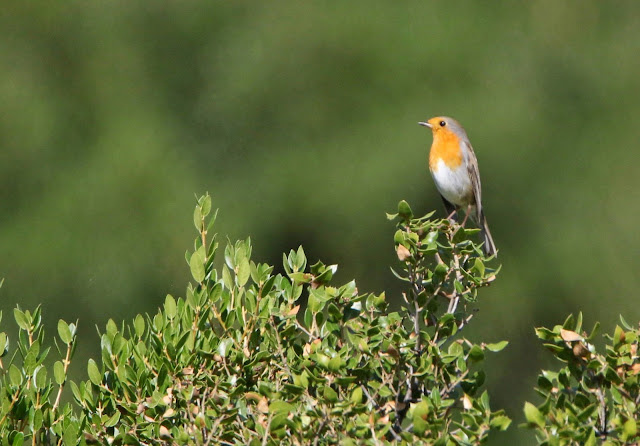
x=476, y=353
x=76, y=392
x=533, y=415
x=21, y=319
x=544, y=383
x=329, y=394
x=113, y=420
x=500, y=422
x=94, y=373
x=38, y=418
x=334, y=311
x=205, y=203
x=64, y=332
x=139, y=325
x=618, y=335
x=4, y=344
x=170, y=308
x=555, y=349
x=591, y=441
x=335, y=363
x=630, y=428
x=569, y=323
x=223, y=347
x=58, y=372
x=479, y=266
x=70, y=435
x=404, y=210
x=15, y=375
x=301, y=262
x=593, y=333
x=197, y=218
x=244, y=271
x=545, y=334
x=419, y=415
x=280, y=407
x=111, y=329
x=40, y=377
x=212, y=221
x=317, y=299
x=308, y=317
x=356, y=395
x=578, y=327
x=18, y=439
x=625, y=324
x=30, y=363
x=484, y=399
x=257, y=274
x=431, y=237
x=130, y=440
x=460, y=235
x=226, y=277
x=196, y=264
x=497, y=346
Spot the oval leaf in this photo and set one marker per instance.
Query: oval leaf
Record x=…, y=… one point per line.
x=197, y=267
x=58, y=373
x=94, y=373
x=64, y=332
x=21, y=319
x=533, y=415
x=497, y=346
x=170, y=307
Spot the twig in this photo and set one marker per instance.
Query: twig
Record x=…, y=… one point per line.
x=265, y=438
x=445, y=392
x=453, y=303
x=466, y=320
x=280, y=352
x=65, y=363
x=372, y=428
x=602, y=412
x=14, y=398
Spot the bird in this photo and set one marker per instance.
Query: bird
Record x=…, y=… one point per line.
x=454, y=168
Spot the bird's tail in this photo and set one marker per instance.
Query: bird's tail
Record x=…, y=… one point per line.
x=489, y=246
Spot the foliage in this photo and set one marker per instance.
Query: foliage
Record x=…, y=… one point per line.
x=595, y=397
x=30, y=401
x=252, y=357
x=442, y=265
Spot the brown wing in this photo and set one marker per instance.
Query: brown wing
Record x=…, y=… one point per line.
x=474, y=174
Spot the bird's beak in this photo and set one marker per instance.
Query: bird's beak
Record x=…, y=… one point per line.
x=426, y=124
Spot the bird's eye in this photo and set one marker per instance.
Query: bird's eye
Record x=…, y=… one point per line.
x=442, y=123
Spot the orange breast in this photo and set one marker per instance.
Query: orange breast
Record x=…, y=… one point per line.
x=445, y=147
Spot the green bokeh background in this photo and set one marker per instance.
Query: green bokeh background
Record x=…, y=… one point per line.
x=300, y=118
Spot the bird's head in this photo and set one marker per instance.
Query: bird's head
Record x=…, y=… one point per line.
x=444, y=125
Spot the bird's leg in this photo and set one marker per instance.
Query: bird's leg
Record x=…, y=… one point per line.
x=466, y=215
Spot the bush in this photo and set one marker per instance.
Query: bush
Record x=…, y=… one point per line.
x=252, y=357
x=595, y=397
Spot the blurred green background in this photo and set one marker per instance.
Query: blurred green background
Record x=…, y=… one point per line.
x=300, y=118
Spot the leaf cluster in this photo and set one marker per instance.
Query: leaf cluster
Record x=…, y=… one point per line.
x=252, y=357
x=30, y=401
x=594, y=398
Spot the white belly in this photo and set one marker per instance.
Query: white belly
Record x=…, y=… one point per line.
x=453, y=184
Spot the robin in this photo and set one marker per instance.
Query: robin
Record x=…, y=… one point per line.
x=454, y=168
